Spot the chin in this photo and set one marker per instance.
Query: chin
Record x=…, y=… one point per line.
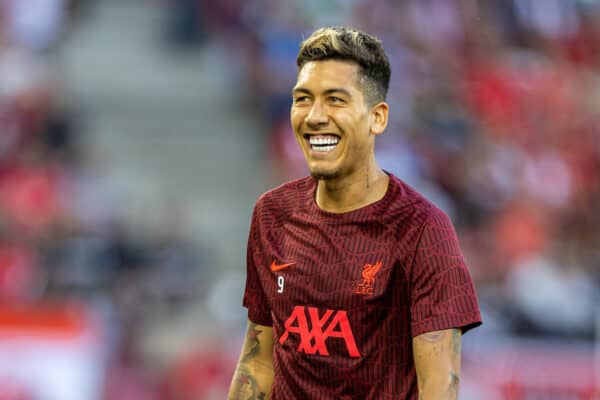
x=323, y=175
x=325, y=170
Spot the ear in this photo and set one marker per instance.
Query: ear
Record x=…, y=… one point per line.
x=379, y=117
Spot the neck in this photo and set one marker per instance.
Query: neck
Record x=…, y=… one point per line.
x=363, y=187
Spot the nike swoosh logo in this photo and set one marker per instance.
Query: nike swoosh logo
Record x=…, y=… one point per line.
x=278, y=267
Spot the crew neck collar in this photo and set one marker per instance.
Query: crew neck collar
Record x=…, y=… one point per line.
x=361, y=211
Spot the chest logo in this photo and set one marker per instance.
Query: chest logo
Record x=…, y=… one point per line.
x=278, y=267
x=365, y=286
x=333, y=324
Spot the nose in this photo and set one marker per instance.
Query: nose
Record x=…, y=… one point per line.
x=317, y=116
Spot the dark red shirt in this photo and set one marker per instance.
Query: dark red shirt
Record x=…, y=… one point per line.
x=346, y=293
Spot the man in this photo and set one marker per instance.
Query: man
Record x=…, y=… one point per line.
x=356, y=286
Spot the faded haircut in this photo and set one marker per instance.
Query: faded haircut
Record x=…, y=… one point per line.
x=348, y=44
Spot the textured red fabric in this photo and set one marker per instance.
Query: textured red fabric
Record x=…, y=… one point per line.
x=393, y=269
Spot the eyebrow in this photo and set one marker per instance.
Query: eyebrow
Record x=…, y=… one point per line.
x=326, y=92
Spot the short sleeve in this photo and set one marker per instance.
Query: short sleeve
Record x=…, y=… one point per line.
x=255, y=299
x=442, y=291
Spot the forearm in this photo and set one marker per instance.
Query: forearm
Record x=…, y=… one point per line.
x=253, y=375
x=251, y=382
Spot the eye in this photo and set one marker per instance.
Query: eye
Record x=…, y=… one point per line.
x=301, y=99
x=336, y=100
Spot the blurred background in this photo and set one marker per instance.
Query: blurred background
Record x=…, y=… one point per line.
x=135, y=136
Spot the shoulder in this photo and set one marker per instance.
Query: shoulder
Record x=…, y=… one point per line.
x=414, y=220
x=410, y=207
x=285, y=198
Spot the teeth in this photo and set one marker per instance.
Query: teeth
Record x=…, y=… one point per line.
x=323, y=149
x=320, y=141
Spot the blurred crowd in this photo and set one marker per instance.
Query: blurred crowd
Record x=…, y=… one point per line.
x=494, y=108
x=65, y=236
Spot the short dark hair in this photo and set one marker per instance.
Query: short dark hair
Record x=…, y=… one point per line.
x=343, y=43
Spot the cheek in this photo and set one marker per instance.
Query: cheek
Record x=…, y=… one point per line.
x=296, y=119
x=356, y=130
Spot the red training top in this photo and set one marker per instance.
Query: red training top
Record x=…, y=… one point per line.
x=346, y=293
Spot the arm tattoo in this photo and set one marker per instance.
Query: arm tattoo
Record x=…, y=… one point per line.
x=244, y=383
x=456, y=342
x=433, y=337
x=454, y=376
x=453, y=388
x=449, y=342
x=253, y=343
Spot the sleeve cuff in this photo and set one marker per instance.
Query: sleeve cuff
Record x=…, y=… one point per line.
x=464, y=322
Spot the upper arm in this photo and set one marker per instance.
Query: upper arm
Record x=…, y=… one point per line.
x=255, y=299
x=442, y=293
x=437, y=363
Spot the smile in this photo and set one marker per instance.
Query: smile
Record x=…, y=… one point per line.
x=323, y=143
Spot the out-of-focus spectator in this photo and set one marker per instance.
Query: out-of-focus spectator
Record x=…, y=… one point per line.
x=34, y=24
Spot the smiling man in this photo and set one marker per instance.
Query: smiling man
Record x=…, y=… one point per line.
x=356, y=287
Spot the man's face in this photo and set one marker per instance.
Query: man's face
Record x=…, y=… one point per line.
x=331, y=120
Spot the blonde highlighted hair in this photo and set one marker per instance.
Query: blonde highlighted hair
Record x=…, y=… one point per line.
x=348, y=44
